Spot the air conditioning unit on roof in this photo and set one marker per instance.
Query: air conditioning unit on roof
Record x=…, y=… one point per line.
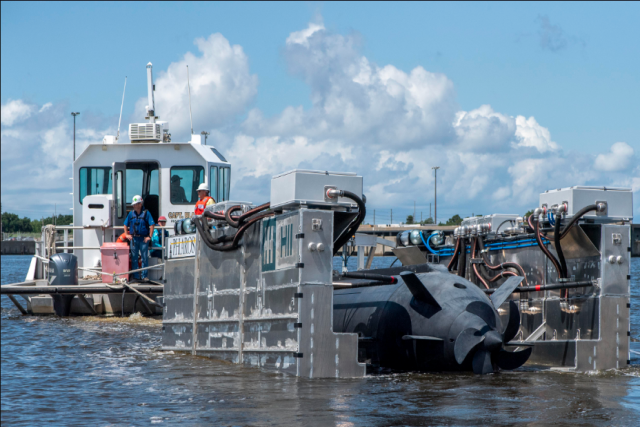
x=145, y=132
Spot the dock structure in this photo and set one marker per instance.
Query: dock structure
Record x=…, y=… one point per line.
x=18, y=247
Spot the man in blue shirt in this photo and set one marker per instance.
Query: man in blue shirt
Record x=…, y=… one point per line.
x=138, y=227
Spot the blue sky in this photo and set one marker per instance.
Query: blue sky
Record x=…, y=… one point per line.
x=571, y=66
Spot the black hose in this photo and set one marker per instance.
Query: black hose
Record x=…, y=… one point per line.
x=556, y=241
x=351, y=229
x=208, y=240
x=544, y=249
x=504, y=222
x=227, y=216
x=462, y=259
x=575, y=219
x=371, y=276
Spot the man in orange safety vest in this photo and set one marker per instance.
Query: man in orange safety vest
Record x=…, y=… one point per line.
x=204, y=199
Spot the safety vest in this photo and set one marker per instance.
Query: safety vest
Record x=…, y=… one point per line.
x=138, y=224
x=201, y=204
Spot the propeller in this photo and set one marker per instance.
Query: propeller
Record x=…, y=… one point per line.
x=513, y=324
x=488, y=342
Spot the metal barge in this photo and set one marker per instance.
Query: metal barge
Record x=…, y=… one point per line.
x=255, y=284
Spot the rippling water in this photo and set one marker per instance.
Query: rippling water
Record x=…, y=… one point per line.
x=110, y=372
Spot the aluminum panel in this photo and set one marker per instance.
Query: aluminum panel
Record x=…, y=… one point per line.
x=615, y=243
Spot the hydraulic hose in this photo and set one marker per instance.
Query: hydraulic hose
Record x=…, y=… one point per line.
x=351, y=229
x=207, y=238
x=576, y=217
x=543, y=248
x=556, y=241
x=454, y=258
x=503, y=265
x=475, y=266
x=462, y=259
x=504, y=222
x=227, y=215
x=503, y=273
x=426, y=243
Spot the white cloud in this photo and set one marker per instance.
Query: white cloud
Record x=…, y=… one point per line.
x=37, y=153
x=389, y=125
x=530, y=134
x=221, y=87
x=302, y=37
x=619, y=158
x=15, y=111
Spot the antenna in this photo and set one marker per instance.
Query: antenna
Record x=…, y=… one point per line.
x=189, y=86
x=151, y=107
x=121, y=105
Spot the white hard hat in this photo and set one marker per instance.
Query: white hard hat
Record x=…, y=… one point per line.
x=136, y=199
x=203, y=187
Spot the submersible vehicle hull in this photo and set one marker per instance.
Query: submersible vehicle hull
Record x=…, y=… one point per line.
x=433, y=321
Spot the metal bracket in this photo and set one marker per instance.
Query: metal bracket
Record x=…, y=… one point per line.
x=298, y=295
x=300, y=236
x=298, y=355
x=299, y=265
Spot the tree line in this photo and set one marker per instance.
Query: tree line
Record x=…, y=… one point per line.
x=12, y=223
x=454, y=220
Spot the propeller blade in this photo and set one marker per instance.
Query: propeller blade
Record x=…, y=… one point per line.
x=466, y=341
x=482, y=363
x=513, y=325
x=502, y=293
x=512, y=360
x=483, y=311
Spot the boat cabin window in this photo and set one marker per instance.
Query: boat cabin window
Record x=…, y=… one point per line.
x=94, y=180
x=184, y=183
x=217, y=153
x=224, y=178
x=213, y=183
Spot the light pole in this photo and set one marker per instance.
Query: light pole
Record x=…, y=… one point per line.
x=205, y=136
x=74, y=135
x=435, y=194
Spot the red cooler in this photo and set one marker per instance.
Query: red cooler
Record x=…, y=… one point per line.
x=115, y=259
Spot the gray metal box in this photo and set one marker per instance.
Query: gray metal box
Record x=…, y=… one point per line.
x=309, y=187
x=619, y=200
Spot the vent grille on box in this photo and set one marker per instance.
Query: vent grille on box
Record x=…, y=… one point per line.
x=145, y=131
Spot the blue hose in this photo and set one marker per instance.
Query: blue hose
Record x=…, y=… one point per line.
x=551, y=219
x=426, y=243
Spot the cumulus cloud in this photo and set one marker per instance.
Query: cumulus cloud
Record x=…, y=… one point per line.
x=15, y=111
x=37, y=153
x=619, y=158
x=389, y=125
x=221, y=87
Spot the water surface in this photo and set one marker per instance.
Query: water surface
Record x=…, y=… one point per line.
x=110, y=372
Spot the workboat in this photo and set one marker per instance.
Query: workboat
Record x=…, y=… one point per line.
x=254, y=283
x=106, y=176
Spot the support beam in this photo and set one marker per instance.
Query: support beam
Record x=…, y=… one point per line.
x=17, y=304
